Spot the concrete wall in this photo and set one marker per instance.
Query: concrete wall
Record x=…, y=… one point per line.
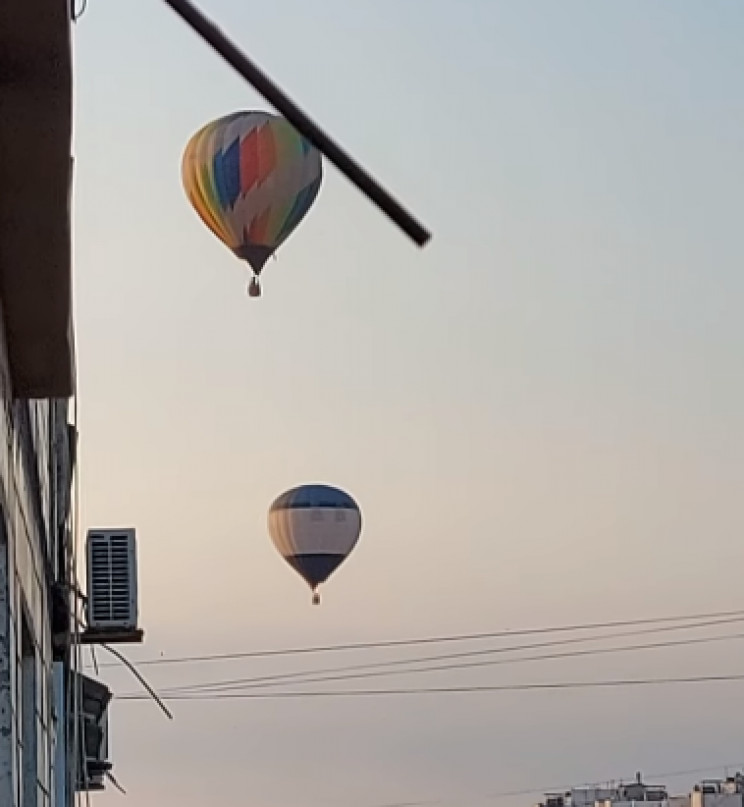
x=588, y=796
x=35, y=172
x=717, y=799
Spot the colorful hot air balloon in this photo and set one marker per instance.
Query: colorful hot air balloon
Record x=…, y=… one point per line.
x=315, y=528
x=251, y=177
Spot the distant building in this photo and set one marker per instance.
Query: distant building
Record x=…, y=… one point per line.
x=727, y=792
x=589, y=796
x=628, y=795
x=620, y=795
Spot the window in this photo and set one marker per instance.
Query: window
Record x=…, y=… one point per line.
x=27, y=734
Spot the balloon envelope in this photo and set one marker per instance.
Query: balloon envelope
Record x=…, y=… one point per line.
x=315, y=528
x=251, y=177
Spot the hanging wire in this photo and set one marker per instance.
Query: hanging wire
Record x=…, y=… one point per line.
x=128, y=664
x=94, y=659
x=110, y=776
x=77, y=12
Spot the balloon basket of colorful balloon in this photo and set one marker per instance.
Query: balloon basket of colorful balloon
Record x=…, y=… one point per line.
x=316, y=598
x=254, y=287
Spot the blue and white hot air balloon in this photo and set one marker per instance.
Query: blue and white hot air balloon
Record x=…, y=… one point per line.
x=315, y=528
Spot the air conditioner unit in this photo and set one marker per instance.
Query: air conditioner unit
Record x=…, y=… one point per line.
x=112, y=580
x=92, y=732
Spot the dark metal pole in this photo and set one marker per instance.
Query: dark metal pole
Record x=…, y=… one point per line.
x=307, y=128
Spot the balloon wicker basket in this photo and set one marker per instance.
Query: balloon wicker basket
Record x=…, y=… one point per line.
x=316, y=598
x=254, y=288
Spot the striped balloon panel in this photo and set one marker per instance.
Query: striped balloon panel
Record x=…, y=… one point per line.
x=315, y=541
x=314, y=495
x=251, y=177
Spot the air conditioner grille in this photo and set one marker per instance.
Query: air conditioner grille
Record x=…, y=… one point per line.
x=112, y=583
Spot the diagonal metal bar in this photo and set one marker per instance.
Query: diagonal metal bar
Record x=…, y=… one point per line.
x=307, y=127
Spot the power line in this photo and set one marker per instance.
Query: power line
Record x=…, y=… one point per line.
x=280, y=680
x=462, y=637
x=550, y=685
x=399, y=666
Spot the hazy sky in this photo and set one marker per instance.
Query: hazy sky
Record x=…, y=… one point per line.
x=541, y=414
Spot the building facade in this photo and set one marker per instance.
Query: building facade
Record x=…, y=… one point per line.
x=37, y=380
x=35, y=474
x=727, y=792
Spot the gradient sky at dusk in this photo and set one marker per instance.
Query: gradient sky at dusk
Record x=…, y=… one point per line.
x=541, y=414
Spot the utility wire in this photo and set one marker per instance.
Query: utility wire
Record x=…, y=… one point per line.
x=299, y=676
x=259, y=683
x=462, y=637
x=549, y=685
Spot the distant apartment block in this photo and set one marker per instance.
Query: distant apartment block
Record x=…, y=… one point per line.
x=727, y=792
